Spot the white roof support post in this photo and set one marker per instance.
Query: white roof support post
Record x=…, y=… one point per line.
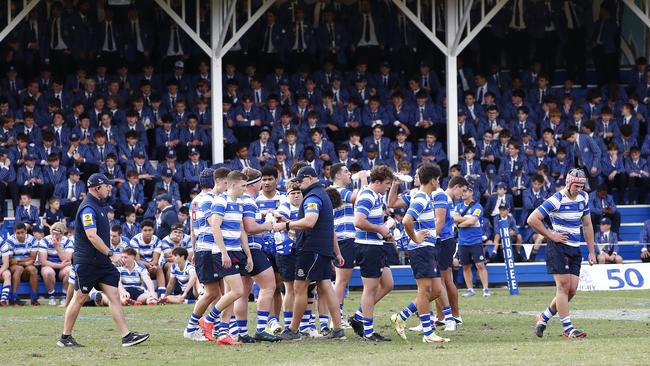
x=451, y=82
x=459, y=33
x=643, y=14
x=217, y=7
x=12, y=23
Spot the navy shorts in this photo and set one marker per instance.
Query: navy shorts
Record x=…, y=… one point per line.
x=469, y=254
x=286, y=266
x=424, y=262
x=445, y=251
x=238, y=264
x=272, y=260
x=206, y=270
x=89, y=276
x=563, y=259
x=390, y=254
x=348, y=252
x=371, y=260
x=260, y=263
x=313, y=267
x=135, y=292
x=179, y=291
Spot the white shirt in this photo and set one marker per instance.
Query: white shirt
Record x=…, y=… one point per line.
x=106, y=35
x=373, y=37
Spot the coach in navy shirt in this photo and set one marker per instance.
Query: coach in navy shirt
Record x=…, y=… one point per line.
x=317, y=247
x=94, y=263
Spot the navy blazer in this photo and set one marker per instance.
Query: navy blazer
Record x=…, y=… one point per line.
x=298, y=154
x=27, y=215
x=173, y=190
x=130, y=232
x=200, y=134
x=327, y=147
x=189, y=172
x=130, y=39
x=255, y=149
x=236, y=164
x=23, y=176
x=589, y=150
x=125, y=195
x=492, y=201
x=117, y=172
x=62, y=189
x=408, y=150
x=177, y=171
x=52, y=178
x=147, y=168
x=168, y=217
x=384, y=145
x=367, y=165
x=609, y=246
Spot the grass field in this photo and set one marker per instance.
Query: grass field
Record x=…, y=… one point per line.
x=497, y=331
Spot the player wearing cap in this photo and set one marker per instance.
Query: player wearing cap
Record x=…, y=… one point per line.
x=94, y=264
x=568, y=211
x=344, y=226
x=467, y=217
x=370, y=236
x=419, y=222
x=316, y=249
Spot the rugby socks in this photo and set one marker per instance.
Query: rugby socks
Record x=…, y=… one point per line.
x=193, y=323
x=93, y=296
x=547, y=314
x=232, y=327
x=213, y=316
x=288, y=317
x=341, y=310
x=221, y=329
x=368, y=328
x=359, y=314
x=6, y=293
x=323, y=321
x=312, y=320
x=408, y=311
x=426, y=324
x=33, y=296
x=567, y=324
x=50, y=294
x=161, y=291
x=262, y=320
x=304, y=321
x=447, y=311
x=243, y=326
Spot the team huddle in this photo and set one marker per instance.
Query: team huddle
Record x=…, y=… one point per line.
x=299, y=248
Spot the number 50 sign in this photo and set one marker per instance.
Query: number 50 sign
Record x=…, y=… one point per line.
x=608, y=277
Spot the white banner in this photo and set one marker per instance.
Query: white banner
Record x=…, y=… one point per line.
x=609, y=277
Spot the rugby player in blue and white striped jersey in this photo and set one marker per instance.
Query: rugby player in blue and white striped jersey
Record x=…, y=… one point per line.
x=370, y=236
x=344, y=227
x=135, y=281
x=175, y=239
x=23, y=249
x=568, y=211
x=419, y=224
x=55, y=256
x=183, y=285
x=203, y=242
x=147, y=245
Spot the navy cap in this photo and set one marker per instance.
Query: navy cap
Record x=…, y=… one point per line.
x=491, y=170
x=504, y=206
x=426, y=152
x=304, y=172
x=265, y=128
x=166, y=197
x=139, y=154
x=336, y=77
x=280, y=152
x=525, y=132
x=502, y=185
x=74, y=137
x=372, y=148
x=194, y=150
x=540, y=146
x=461, y=112
x=559, y=183
x=385, y=64
x=517, y=167
x=360, y=79
x=605, y=221
x=30, y=157
x=110, y=209
x=171, y=154
x=195, y=190
x=74, y=171
x=167, y=173
x=470, y=187
x=401, y=130
x=37, y=229
x=98, y=179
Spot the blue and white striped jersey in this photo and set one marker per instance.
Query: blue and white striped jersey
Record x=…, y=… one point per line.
x=17, y=249
x=200, y=211
x=119, y=248
x=442, y=200
x=421, y=209
x=566, y=215
x=251, y=210
x=290, y=212
x=264, y=204
x=231, y=227
x=145, y=250
x=182, y=276
x=134, y=277
x=344, y=215
x=167, y=244
x=370, y=204
x=46, y=245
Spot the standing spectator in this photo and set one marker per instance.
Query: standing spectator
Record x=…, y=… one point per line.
x=605, y=41
x=60, y=55
x=367, y=35
x=168, y=215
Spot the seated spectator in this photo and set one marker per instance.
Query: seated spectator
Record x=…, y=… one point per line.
x=291, y=146
x=30, y=179
x=132, y=194
x=112, y=170
x=53, y=214
x=55, y=257
x=436, y=150
x=168, y=216
x=22, y=249
x=171, y=163
x=170, y=187
x=136, y=285
x=502, y=198
x=117, y=241
x=560, y=165
x=639, y=176
x=262, y=150
x=607, y=244
x=469, y=168
x=240, y=162
x=70, y=193
x=183, y=285
x=110, y=215
x=602, y=205
x=191, y=171
x=518, y=183
x=323, y=148
x=130, y=227
x=515, y=235
x=147, y=247
x=400, y=141
x=147, y=175
x=193, y=137
x=613, y=170
x=127, y=150
x=644, y=239
x=377, y=138
x=279, y=130
x=533, y=196
x=26, y=213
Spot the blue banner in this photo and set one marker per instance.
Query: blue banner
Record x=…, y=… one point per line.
x=508, y=257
